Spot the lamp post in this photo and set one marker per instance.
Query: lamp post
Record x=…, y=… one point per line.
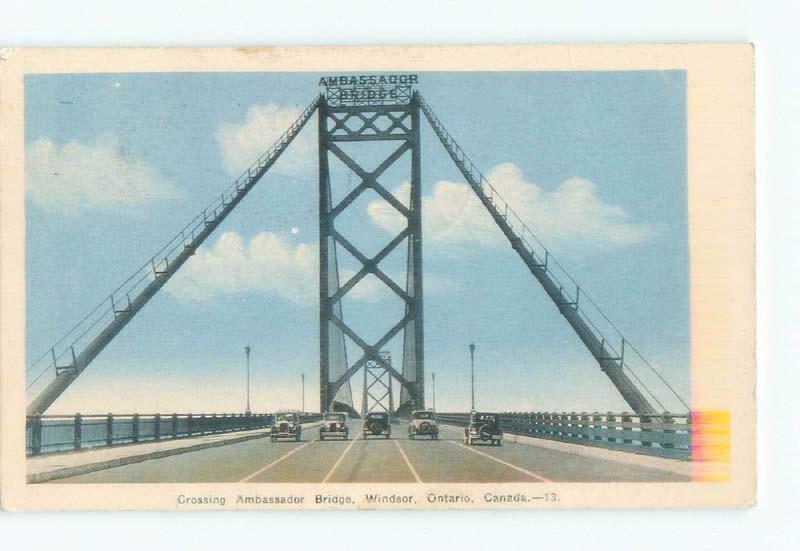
x=433, y=379
x=472, y=372
x=303, y=385
x=247, y=353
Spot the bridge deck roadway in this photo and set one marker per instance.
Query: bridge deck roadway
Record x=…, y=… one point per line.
x=397, y=459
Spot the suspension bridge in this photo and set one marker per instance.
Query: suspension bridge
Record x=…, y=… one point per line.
x=353, y=112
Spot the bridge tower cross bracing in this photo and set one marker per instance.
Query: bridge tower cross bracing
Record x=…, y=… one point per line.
x=347, y=116
x=377, y=394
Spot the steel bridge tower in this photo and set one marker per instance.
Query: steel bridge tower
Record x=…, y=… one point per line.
x=357, y=115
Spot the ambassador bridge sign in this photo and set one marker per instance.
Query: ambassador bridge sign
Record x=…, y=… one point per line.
x=368, y=89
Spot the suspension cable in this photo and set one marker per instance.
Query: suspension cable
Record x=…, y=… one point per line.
x=474, y=172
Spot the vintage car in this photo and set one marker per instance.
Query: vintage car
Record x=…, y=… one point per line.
x=484, y=427
x=423, y=423
x=286, y=425
x=334, y=425
x=377, y=423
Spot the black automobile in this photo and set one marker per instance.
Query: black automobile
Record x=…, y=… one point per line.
x=334, y=425
x=286, y=425
x=484, y=427
x=377, y=423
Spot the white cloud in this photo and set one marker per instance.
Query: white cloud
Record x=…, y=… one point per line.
x=572, y=214
x=270, y=264
x=372, y=289
x=267, y=264
x=75, y=177
x=241, y=144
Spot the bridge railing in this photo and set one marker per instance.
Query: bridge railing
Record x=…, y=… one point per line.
x=60, y=433
x=664, y=435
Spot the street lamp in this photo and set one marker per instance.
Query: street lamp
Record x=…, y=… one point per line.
x=433, y=378
x=472, y=372
x=303, y=384
x=247, y=352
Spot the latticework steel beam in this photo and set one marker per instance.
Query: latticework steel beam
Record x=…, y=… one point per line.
x=377, y=394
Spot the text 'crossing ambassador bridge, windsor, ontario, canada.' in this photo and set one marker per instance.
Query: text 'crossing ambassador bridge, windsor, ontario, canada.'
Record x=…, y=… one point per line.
x=355, y=110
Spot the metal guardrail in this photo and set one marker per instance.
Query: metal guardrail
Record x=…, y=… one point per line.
x=61, y=433
x=663, y=435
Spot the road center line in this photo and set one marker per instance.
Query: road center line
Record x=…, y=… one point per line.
x=506, y=463
x=338, y=461
x=281, y=458
x=410, y=466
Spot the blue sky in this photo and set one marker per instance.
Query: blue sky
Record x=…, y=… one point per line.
x=116, y=163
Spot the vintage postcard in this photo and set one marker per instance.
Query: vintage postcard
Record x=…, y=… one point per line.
x=378, y=277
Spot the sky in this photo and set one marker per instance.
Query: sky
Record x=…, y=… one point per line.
x=594, y=162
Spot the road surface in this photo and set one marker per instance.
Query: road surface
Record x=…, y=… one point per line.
x=397, y=459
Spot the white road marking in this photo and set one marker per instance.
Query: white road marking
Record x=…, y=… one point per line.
x=410, y=466
x=338, y=461
x=506, y=463
x=281, y=458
